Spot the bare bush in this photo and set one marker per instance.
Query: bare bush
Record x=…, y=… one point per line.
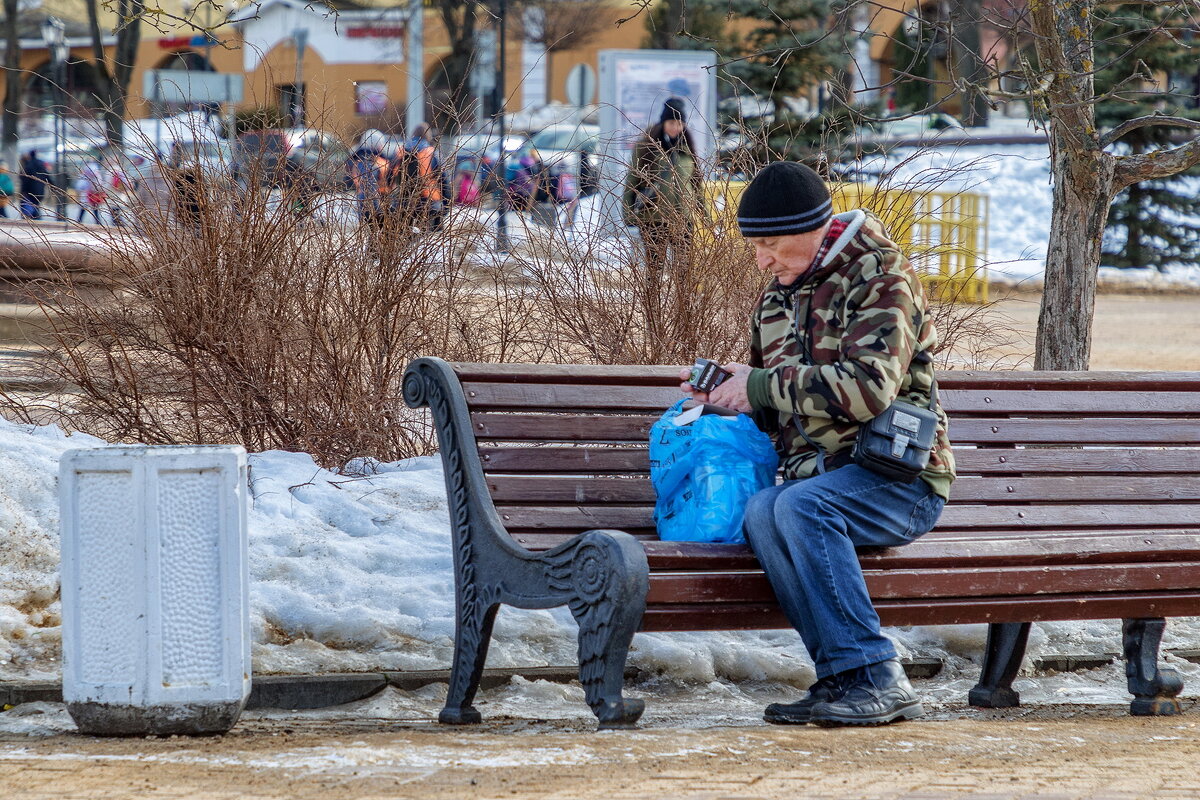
x=278, y=312
x=261, y=313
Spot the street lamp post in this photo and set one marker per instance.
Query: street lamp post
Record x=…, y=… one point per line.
x=415, y=114
x=300, y=37
x=501, y=167
x=54, y=35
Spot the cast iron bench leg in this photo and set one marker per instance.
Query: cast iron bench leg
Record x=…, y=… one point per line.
x=472, y=634
x=604, y=577
x=1005, y=648
x=1154, y=690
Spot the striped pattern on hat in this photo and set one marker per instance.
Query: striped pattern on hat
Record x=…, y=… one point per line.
x=784, y=198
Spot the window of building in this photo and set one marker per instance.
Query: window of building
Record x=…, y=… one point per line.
x=370, y=98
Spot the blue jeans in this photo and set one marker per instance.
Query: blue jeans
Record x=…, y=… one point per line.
x=804, y=533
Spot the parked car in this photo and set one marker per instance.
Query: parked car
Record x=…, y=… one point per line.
x=262, y=155
x=560, y=145
x=479, y=146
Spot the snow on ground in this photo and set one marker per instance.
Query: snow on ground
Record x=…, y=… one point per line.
x=1017, y=181
x=1014, y=178
x=354, y=573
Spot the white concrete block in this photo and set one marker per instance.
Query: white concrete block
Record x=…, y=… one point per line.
x=155, y=593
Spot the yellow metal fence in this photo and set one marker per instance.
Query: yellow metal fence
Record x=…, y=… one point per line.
x=943, y=233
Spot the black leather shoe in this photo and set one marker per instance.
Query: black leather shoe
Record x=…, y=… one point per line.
x=823, y=691
x=879, y=694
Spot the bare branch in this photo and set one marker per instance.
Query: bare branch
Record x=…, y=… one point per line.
x=1131, y=169
x=1146, y=122
x=641, y=6
x=557, y=25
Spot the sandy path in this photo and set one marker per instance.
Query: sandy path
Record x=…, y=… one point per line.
x=1129, y=332
x=1049, y=752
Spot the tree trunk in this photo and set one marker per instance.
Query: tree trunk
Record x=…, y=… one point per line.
x=129, y=36
x=673, y=23
x=1134, y=246
x=1083, y=192
x=459, y=20
x=12, y=85
x=105, y=85
x=1084, y=183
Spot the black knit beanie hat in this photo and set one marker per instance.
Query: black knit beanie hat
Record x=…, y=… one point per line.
x=673, y=109
x=784, y=198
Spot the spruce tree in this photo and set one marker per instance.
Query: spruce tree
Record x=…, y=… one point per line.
x=793, y=46
x=911, y=59
x=1139, y=51
x=686, y=25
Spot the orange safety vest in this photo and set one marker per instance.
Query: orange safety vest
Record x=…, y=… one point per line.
x=384, y=185
x=432, y=187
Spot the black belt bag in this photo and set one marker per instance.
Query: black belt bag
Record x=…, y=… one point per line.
x=897, y=443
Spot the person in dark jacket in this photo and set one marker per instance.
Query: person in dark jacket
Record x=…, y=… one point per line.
x=35, y=177
x=661, y=197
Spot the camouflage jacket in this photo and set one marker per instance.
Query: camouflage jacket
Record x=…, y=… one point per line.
x=866, y=320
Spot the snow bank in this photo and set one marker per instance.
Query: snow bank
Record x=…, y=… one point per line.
x=1017, y=181
x=354, y=573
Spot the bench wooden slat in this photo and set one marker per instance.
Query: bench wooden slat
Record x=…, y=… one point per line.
x=555, y=396
x=586, y=517
x=1088, y=380
x=544, y=397
x=940, y=549
x=938, y=611
x=496, y=426
x=580, y=460
x=526, y=490
x=539, y=489
x=975, y=581
x=992, y=431
x=1068, y=403
x=1051, y=460
x=636, y=375
x=1069, y=516
x=584, y=460
x=666, y=375
x=558, y=427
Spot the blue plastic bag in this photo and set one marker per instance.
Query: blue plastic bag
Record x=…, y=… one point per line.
x=704, y=473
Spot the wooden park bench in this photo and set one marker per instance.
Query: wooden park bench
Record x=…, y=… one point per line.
x=1078, y=498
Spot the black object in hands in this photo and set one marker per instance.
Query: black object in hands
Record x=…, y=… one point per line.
x=643, y=198
x=707, y=375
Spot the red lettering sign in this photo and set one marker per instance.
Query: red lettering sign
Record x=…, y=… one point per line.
x=392, y=32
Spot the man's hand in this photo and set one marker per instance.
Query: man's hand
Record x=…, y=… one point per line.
x=730, y=394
